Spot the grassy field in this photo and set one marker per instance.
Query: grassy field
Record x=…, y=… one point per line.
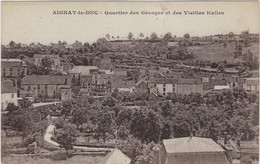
x=37, y=160
x=217, y=52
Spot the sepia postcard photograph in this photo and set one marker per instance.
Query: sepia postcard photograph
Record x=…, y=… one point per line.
x=130, y=82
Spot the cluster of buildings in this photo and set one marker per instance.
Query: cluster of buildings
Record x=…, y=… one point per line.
x=103, y=78
x=184, y=150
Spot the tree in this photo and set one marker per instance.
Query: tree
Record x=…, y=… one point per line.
x=130, y=36
x=166, y=132
x=12, y=45
x=146, y=125
x=104, y=125
x=153, y=36
x=213, y=65
x=109, y=101
x=66, y=108
x=166, y=109
x=186, y=36
x=138, y=153
x=66, y=137
x=47, y=62
x=79, y=117
x=108, y=36
x=250, y=60
x=238, y=50
x=26, y=103
x=231, y=35
x=11, y=107
x=168, y=36
x=141, y=35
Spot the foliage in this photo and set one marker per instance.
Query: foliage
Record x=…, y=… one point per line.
x=130, y=36
x=138, y=153
x=146, y=125
x=79, y=117
x=66, y=137
x=109, y=101
x=153, y=36
x=104, y=124
x=25, y=103
x=11, y=107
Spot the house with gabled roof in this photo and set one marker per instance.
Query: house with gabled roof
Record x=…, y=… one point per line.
x=191, y=149
x=182, y=86
x=13, y=68
x=115, y=157
x=56, y=86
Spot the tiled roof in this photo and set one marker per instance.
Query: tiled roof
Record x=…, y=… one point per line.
x=115, y=157
x=120, y=83
x=191, y=145
x=46, y=79
x=83, y=70
x=189, y=81
x=175, y=81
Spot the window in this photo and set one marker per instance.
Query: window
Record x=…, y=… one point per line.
x=29, y=88
x=163, y=85
x=38, y=87
x=65, y=81
x=88, y=84
x=164, y=89
x=12, y=95
x=46, y=87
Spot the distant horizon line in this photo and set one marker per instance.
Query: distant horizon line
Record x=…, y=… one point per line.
x=125, y=38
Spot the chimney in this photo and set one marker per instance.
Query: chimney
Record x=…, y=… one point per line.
x=156, y=155
x=225, y=138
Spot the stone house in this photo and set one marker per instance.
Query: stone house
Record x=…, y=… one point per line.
x=188, y=150
x=164, y=86
x=57, y=86
x=13, y=68
x=102, y=80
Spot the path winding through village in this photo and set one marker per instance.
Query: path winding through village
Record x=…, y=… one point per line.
x=49, y=133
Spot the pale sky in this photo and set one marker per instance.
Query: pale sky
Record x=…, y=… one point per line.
x=28, y=22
